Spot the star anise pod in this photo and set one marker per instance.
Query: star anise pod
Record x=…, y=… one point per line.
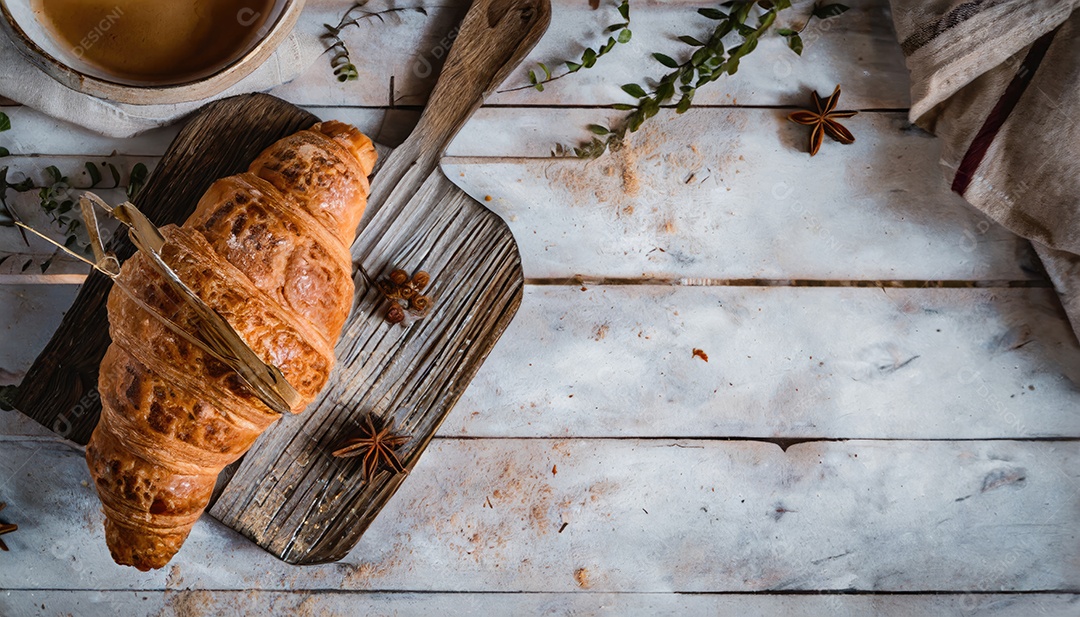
x=823, y=120
x=5, y=529
x=376, y=442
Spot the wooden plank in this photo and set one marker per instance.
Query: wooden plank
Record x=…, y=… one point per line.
x=783, y=363
x=617, y=361
x=858, y=49
x=623, y=515
x=740, y=201
x=29, y=314
x=35, y=135
x=199, y=602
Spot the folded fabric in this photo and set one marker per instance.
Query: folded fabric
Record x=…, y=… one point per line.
x=999, y=82
x=24, y=83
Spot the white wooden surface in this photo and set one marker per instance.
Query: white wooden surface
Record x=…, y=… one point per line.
x=596, y=465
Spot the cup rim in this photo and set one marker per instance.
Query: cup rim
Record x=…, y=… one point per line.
x=194, y=90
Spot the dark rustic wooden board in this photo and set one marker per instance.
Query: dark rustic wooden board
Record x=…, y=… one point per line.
x=60, y=389
x=289, y=494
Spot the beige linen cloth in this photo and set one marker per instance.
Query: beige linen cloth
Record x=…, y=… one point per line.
x=24, y=83
x=998, y=81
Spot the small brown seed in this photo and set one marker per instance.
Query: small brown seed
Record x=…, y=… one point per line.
x=420, y=304
x=399, y=277
x=388, y=289
x=395, y=314
x=420, y=280
x=406, y=293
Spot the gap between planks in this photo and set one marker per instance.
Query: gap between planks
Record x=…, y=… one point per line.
x=782, y=442
x=77, y=279
x=597, y=592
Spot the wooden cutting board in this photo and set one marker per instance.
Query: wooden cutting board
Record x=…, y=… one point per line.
x=288, y=494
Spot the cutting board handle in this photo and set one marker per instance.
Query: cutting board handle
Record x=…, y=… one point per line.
x=491, y=41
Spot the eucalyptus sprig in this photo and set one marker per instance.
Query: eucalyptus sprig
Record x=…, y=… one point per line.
x=5, y=125
x=340, y=57
x=56, y=199
x=588, y=57
x=705, y=62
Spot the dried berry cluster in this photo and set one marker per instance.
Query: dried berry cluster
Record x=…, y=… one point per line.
x=405, y=293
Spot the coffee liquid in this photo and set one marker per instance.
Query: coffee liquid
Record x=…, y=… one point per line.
x=155, y=40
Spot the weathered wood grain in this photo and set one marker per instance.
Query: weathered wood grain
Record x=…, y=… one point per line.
x=785, y=363
x=33, y=134
x=741, y=200
x=60, y=389
x=199, y=603
x=290, y=495
x=655, y=516
x=857, y=49
x=617, y=361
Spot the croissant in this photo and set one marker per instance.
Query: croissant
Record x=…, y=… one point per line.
x=267, y=249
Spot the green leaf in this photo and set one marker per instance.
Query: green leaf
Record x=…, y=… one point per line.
x=95, y=174
x=23, y=186
x=667, y=61
x=4, y=152
x=782, y=4
x=624, y=35
x=687, y=76
x=532, y=77
x=7, y=397
x=54, y=175
x=599, y=130
x=136, y=180
x=684, y=102
x=607, y=46
x=573, y=67
x=539, y=87
x=785, y=31
x=700, y=56
x=588, y=59
x=665, y=91
x=547, y=71
x=634, y=90
x=829, y=10
x=689, y=40
x=5, y=122
x=624, y=10
x=795, y=43
x=115, y=173
x=712, y=14
x=614, y=27
x=650, y=106
x=623, y=107
x=740, y=14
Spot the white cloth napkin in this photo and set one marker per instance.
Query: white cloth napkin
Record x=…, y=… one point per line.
x=24, y=83
x=999, y=83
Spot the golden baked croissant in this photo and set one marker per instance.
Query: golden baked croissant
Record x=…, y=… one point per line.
x=269, y=251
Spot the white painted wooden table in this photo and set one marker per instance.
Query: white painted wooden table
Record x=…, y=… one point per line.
x=851, y=447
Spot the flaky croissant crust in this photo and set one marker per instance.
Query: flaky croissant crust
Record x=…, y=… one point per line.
x=269, y=250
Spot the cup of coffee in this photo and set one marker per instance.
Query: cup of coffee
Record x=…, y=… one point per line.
x=148, y=52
